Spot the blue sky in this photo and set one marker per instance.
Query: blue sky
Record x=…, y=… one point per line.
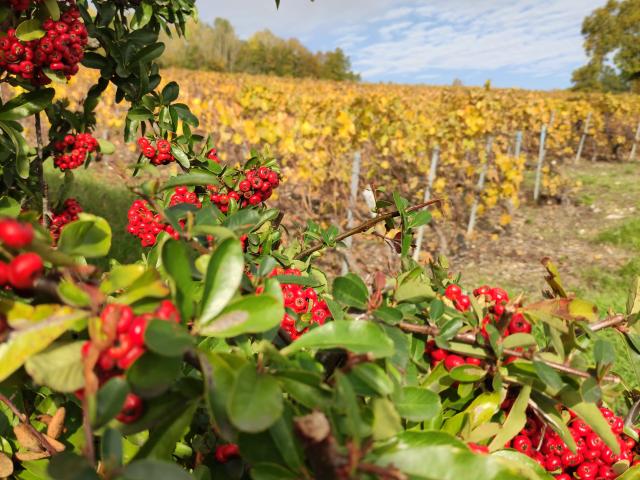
x=515, y=43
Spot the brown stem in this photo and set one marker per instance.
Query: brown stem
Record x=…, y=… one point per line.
x=89, y=448
x=44, y=188
x=608, y=322
x=384, y=473
x=470, y=339
x=363, y=227
x=25, y=420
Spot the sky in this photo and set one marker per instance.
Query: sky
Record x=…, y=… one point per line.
x=532, y=44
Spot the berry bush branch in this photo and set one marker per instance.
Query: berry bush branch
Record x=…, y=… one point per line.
x=363, y=227
x=470, y=339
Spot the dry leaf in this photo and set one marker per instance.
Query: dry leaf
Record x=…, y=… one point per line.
x=57, y=446
x=6, y=466
x=30, y=456
x=56, y=425
x=26, y=438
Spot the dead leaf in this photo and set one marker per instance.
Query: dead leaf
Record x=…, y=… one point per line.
x=56, y=425
x=26, y=438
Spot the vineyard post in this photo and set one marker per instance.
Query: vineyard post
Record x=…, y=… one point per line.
x=518, y=144
x=435, y=156
x=583, y=138
x=543, y=137
x=479, y=188
x=636, y=139
x=355, y=178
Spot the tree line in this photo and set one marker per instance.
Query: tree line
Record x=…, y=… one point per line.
x=217, y=47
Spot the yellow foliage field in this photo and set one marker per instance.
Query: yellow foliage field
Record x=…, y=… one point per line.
x=314, y=127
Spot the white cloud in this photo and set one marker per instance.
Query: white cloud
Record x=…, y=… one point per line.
x=414, y=39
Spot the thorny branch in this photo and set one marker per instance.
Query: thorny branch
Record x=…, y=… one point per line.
x=363, y=227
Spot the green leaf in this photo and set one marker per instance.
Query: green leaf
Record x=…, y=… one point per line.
x=60, y=367
x=417, y=404
x=190, y=179
x=73, y=295
x=29, y=30
x=548, y=376
x=483, y=407
x=148, y=53
x=153, y=374
x=26, y=342
x=356, y=336
x=386, y=421
x=139, y=113
x=142, y=16
x=373, y=377
x=468, y=373
x=89, y=237
x=350, y=290
x=26, y=104
x=164, y=436
x=9, y=207
x=53, y=9
x=146, y=469
x=631, y=474
x=255, y=402
x=167, y=338
x=516, y=457
x=170, y=93
x=590, y=413
x=109, y=401
x=519, y=340
x=180, y=156
x=272, y=471
x=515, y=421
x=250, y=314
x=435, y=456
x=106, y=147
x=223, y=278
x=111, y=453
x=604, y=352
x=69, y=465
x=633, y=301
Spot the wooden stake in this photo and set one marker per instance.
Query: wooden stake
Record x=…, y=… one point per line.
x=541, y=153
x=355, y=179
x=435, y=157
x=479, y=188
x=583, y=138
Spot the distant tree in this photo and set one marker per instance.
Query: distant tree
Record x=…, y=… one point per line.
x=218, y=48
x=457, y=82
x=612, y=43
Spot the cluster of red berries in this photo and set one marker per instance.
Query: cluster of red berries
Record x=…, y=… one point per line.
x=24, y=269
x=20, y=5
x=256, y=187
x=70, y=210
x=213, y=155
x=593, y=460
x=496, y=299
x=160, y=154
x=304, y=302
x=61, y=49
x=127, y=329
x=226, y=452
x=72, y=151
x=147, y=225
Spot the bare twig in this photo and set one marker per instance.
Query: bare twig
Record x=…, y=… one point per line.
x=613, y=321
x=363, y=227
x=470, y=339
x=25, y=420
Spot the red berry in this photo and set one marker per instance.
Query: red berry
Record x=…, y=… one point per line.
x=452, y=292
x=483, y=290
x=570, y=459
x=131, y=410
x=587, y=471
x=594, y=442
x=15, y=234
x=438, y=355
x=473, y=361
x=453, y=361
x=475, y=448
x=463, y=303
x=136, y=332
x=552, y=463
x=519, y=324
x=522, y=443
x=4, y=274
x=24, y=270
x=563, y=476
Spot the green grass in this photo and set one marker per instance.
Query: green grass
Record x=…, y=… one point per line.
x=107, y=199
x=609, y=289
x=626, y=235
